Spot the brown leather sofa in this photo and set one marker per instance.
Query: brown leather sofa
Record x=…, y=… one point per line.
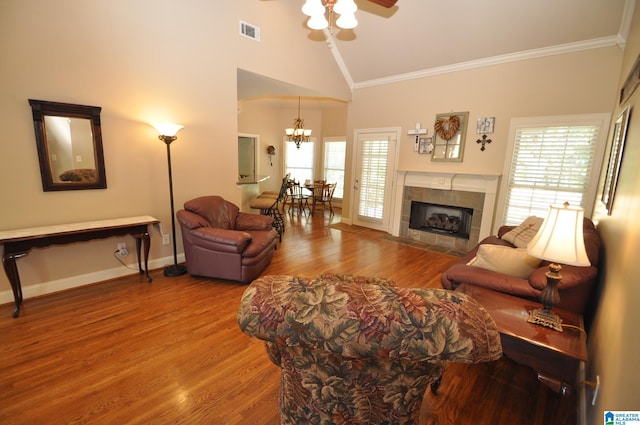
x=575, y=288
x=220, y=241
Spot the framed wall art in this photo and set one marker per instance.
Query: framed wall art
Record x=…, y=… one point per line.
x=618, y=138
x=485, y=125
x=425, y=145
x=449, y=135
x=631, y=83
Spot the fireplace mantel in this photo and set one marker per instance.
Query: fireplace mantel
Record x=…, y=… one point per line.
x=483, y=183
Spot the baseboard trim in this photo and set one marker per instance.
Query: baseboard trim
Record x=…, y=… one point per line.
x=45, y=288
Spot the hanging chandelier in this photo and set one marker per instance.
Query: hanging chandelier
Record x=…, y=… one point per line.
x=316, y=10
x=298, y=134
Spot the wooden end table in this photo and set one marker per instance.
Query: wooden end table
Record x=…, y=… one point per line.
x=554, y=355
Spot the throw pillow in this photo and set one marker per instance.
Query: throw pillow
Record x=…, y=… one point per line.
x=506, y=260
x=522, y=235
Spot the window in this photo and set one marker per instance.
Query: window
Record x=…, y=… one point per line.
x=553, y=160
x=373, y=177
x=335, y=151
x=299, y=162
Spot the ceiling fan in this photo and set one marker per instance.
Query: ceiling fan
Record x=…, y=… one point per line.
x=317, y=9
x=384, y=3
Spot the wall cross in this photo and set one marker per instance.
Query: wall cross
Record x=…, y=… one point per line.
x=417, y=132
x=483, y=141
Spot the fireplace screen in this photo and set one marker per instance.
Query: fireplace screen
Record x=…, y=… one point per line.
x=436, y=218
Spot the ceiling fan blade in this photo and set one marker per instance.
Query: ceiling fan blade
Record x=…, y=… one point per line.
x=384, y=3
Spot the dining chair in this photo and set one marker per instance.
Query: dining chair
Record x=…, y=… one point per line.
x=299, y=199
x=322, y=197
x=316, y=192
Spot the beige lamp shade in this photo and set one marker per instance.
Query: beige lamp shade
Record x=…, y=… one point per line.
x=560, y=238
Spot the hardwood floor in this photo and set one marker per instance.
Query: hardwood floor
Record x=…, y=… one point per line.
x=170, y=352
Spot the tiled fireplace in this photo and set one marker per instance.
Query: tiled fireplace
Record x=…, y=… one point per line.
x=455, y=200
x=441, y=219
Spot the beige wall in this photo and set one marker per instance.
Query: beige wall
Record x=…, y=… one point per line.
x=142, y=61
x=576, y=83
x=614, y=346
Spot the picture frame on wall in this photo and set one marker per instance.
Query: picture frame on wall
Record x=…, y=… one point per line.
x=449, y=136
x=631, y=83
x=618, y=139
x=425, y=145
x=485, y=125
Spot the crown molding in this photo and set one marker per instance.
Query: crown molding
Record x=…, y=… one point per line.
x=625, y=22
x=495, y=60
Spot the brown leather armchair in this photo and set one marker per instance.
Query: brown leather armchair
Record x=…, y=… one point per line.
x=220, y=241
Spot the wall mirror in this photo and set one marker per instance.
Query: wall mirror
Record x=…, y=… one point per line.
x=69, y=143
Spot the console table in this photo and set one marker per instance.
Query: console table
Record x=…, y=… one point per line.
x=554, y=355
x=17, y=243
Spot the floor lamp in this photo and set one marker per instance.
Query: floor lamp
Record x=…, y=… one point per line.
x=167, y=133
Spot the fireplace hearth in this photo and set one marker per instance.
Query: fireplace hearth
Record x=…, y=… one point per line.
x=443, y=219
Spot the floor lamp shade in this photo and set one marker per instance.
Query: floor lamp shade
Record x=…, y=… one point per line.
x=167, y=129
x=167, y=133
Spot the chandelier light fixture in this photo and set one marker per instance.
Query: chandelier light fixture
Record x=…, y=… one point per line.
x=298, y=133
x=318, y=9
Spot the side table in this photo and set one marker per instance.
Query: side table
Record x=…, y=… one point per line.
x=17, y=243
x=554, y=355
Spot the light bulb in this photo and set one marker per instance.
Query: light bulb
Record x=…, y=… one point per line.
x=347, y=21
x=318, y=22
x=313, y=8
x=345, y=7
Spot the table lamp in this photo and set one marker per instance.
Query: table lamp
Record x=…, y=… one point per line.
x=559, y=240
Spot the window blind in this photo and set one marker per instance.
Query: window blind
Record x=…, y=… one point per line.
x=334, y=162
x=373, y=178
x=550, y=165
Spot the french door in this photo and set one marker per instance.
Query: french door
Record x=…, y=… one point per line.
x=375, y=157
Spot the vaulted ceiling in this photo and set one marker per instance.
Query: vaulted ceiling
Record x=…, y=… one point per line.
x=424, y=37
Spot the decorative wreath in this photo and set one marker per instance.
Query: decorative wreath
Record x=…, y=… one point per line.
x=447, y=127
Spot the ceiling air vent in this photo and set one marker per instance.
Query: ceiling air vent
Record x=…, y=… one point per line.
x=250, y=31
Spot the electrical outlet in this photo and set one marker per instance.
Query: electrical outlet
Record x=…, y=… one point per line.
x=166, y=240
x=596, y=390
x=122, y=249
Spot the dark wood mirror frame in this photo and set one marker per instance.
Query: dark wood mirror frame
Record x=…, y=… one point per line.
x=72, y=179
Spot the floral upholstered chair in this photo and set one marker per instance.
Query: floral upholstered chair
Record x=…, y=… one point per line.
x=357, y=350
